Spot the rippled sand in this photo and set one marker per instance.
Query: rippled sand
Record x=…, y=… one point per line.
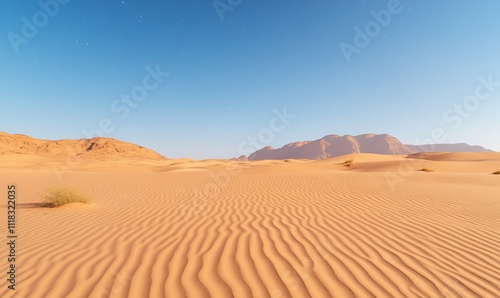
x=184, y=228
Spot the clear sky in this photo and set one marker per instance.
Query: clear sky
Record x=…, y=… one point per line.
x=412, y=70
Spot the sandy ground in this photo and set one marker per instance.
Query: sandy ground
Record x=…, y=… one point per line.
x=295, y=228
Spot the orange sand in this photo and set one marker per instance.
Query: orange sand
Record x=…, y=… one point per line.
x=296, y=228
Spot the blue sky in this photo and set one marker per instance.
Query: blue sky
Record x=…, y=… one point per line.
x=226, y=76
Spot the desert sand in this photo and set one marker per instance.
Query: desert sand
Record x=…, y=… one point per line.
x=290, y=228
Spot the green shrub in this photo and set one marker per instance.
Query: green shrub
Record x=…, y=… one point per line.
x=58, y=196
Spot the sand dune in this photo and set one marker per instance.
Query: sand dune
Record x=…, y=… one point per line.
x=296, y=228
x=458, y=156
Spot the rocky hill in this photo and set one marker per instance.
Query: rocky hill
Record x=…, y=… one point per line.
x=96, y=148
x=334, y=145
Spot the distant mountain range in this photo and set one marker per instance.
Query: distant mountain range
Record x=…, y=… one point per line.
x=326, y=147
x=335, y=145
x=96, y=148
x=460, y=147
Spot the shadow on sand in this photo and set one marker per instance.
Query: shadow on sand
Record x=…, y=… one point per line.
x=34, y=205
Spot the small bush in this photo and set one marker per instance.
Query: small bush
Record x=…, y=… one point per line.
x=349, y=163
x=496, y=173
x=426, y=170
x=59, y=196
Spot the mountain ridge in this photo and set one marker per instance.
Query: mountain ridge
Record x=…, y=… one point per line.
x=98, y=148
x=329, y=146
x=335, y=145
x=452, y=147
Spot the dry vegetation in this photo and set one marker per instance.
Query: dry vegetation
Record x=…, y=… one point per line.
x=58, y=196
x=349, y=163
